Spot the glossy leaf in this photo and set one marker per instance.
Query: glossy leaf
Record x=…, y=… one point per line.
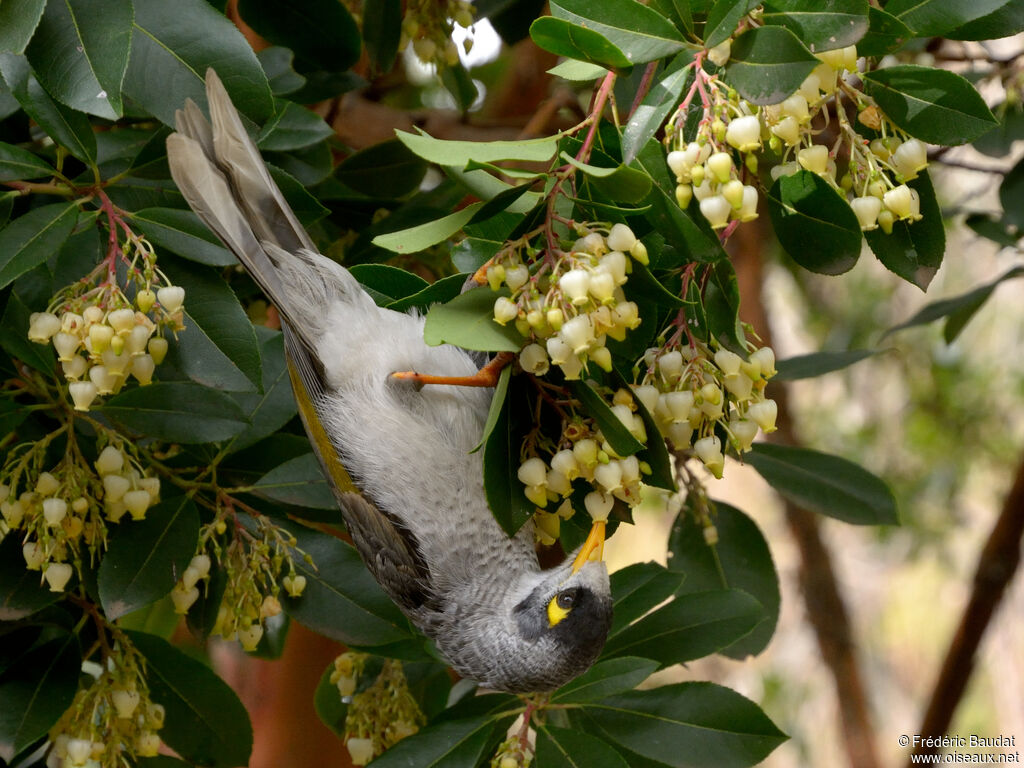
x=387, y=284
x=913, y=251
x=999, y=141
x=937, y=17
x=814, y=224
x=292, y=127
x=687, y=725
x=205, y=722
x=577, y=71
x=572, y=41
x=638, y=588
x=690, y=241
x=650, y=115
x=459, y=153
x=16, y=318
x=1011, y=196
x=504, y=491
x=568, y=748
x=146, y=557
x=31, y=239
x=307, y=208
x=22, y=592
x=18, y=22
x=425, y=235
x=17, y=163
x=388, y=169
x=496, y=407
x=768, y=64
x=621, y=184
x=277, y=64
x=886, y=34
x=826, y=484
x=1003, y=22
x=300, y=482
x=35, y=691
x=177, y=411
x=439, y=291
x=322, y=33
x=740, y=560
x=182, y=232
x=173, y=45
x=274, y=405
x=614, y=431
x=723, y=19
x=641, y=33
x=468, y=322
x=331, y=710
x=80, y=52
x=606, y=678
x=382, y=31
x=453, y=744
x=818, y=364
x=820, y=26
x=934, y=105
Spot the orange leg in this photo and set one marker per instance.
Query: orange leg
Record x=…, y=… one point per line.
x=485, y=377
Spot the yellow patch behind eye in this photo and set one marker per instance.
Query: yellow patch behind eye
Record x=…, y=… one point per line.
x=556, y=612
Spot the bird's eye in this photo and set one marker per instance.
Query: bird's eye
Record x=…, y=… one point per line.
x=560, y=606
x=566, y=599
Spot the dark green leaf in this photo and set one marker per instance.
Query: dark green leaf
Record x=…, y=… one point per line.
x=641, y=33
x=687, y=725
x=161, y=761
x=453, y=744
x=17, y=163
x=460, y=85
x=383, y=170
x=146, y=557
x=459, y=153
x=768, y=64
x=649, y=116
x=386, y=283
x=205, y=722
x=621, y=184
x=341, y=600
x=292, y=127
x=723, y=18
x=885, y=34
x=614, y=431
x=18, y=22
x=440, y=291
x=274, y=405
x=820, y=26
x=306, y=207
x=814, y=224
x=929, y=18
x=467, y=321
x=182, y=232
x=818, y=364
x=934, y=105
x=277, y=64
x=504, y=491
x=425, y=235
x=1007, y=20
x=575, y=42
x=999, y=141
x=328, y=704
x=997, y=230
x=740, y=560
x=566, y=748
x=722, y=303
x=382, y=31
x=21, y=590
x=500, y=195
x=496, y=407
x=300, y=482
x=35, y=691
x=177, y=411
x=65, y=126
x=13, y=328
x=11, y=415
x=322, y=33
x=690, y=241
x=826, y=484
x=309, y=165
x=172, y=47
x=1011, y=196
x=606, y=678
x=913, y=251
x=80, y=51
x=638, y=588
x=31, y=239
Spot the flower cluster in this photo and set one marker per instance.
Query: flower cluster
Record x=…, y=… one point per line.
x=112, y=721
x=512, y=753
x=101, y=335
x=568, y=306
x=58, y=511
x=428, y=26
x=347, y=669
x=692, y=391
x=381, y=714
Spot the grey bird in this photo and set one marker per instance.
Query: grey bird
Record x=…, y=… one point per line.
x=398, y=455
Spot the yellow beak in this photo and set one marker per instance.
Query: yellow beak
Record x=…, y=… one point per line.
x=593, y=547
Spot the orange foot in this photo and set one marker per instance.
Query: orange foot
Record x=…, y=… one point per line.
x=485, y=377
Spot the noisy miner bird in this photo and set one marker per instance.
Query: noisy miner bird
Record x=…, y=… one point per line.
x=419, y=519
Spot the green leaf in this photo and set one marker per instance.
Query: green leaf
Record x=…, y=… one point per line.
x=31, y=239
x=575, y=42
x=182, y=232
x=495, y=409
x=467, y=321
x=306, y=207
x=504, y=491
x=934, y=105
x=577, y=71
x=820, y=26
x=637, y=589
x=277, y=63
x=913, y=251
x=13, y=327
x=690, y=241
x=322, y=33
x=292, y=127
x=688, y=725
x=723, y=18
x=177, y=411
x=382, y=32
x=386, y=283
x=995, y=229
x=65, y=126
x=816, y=226
x=511, y=199
x=929, y=18
x=621, y=183
x=826, y=484
x=767, y=64
x=453, y=744
x=18, y=22
x=722, y=303
x=999, y=141
x=17, y=163
x=205, y=722
x=606, y=678
x=80, y=52
x=1007, y=20
x=430, y=233
x=21, y=593
x=614, y=431
x=35, y=690
x=459, y=153
x=740, y=560
x=146, y=557
x=331, y=710
x=274, y=405
x=1011, y=196
x=384, y=170
x=440, y=291
x=819, y=363
x=460, y=85
x=341, y=600
x=567, y=748
x=885, y=34
x=218, y=347
x=300, y=482
x=641, y=33
x=173, y=45
x=650, y=115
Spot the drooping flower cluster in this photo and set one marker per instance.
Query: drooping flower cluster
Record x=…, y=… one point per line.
x=60, y=511
x=112, y=721
x=382, y=713
x=428, y=26
x=692, y=391
x=101, y=335
x=568, y=306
